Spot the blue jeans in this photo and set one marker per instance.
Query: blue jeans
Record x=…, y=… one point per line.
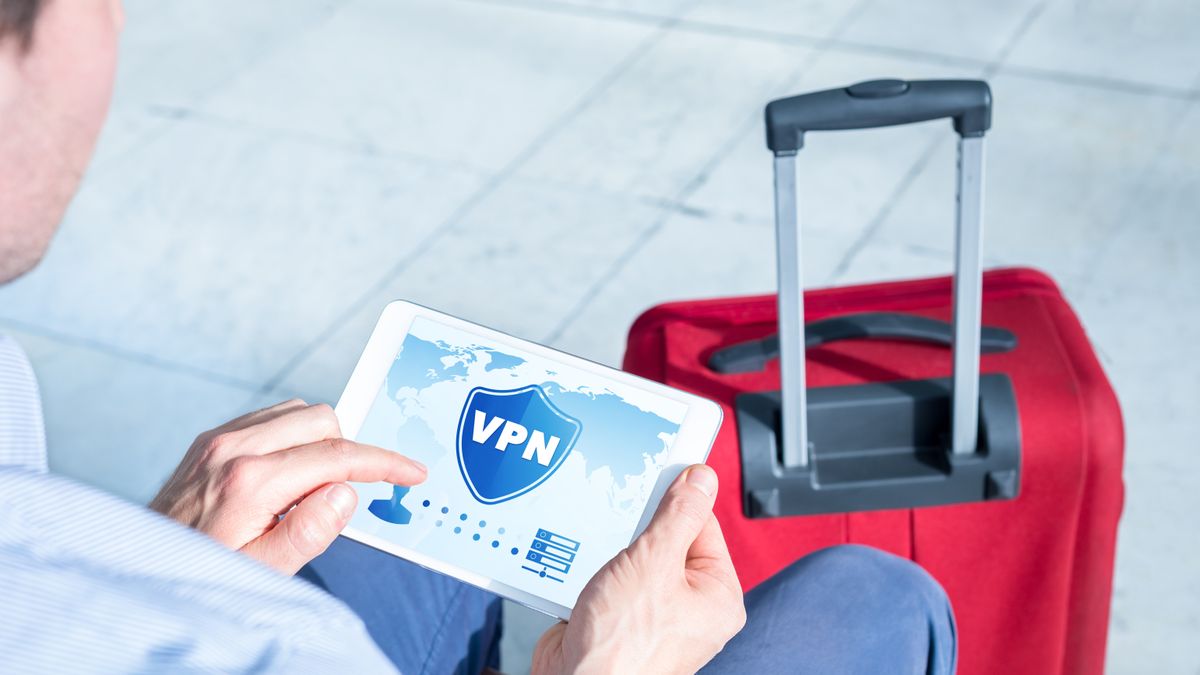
x=845, y=609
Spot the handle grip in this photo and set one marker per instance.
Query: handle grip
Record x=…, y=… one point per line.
x=878, y=103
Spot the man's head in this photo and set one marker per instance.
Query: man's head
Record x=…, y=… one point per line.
x=57, y=60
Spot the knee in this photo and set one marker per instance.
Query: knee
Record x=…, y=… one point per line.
x=879, y=575
x=883, y=594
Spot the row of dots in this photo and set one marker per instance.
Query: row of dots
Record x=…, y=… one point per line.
x=475, y=537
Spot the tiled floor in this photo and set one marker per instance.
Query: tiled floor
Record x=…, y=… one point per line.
x=274, y=172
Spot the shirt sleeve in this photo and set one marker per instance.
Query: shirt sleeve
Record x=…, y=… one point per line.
x=90, y=583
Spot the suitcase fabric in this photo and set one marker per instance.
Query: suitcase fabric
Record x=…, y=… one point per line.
x=1030, y=577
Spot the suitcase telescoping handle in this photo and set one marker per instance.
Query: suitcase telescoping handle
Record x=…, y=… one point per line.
x=865, y=105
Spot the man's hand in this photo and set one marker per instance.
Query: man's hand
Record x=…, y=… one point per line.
x=238, y=479
x=666, y=604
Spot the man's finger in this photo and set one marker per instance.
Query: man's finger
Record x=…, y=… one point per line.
x=284, y=476
x=709, y=553
x=683, y=512
x=260, y=416
x=307, y=530
x=710, y=543
x=291, y=428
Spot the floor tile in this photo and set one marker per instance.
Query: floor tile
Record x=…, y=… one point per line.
x=1140, y=336
x=175, y=54
x=1060, y=160
x=1154, y=618
x=1151, y=43
x=518, y=263
x=459, y=82
x=128, y=127
x=886, y=261
x=228, y=249
x=522, y=628
x=117, y=423
x=844, y=178
x=178, y=52
x=814, y=19
x=975, y=29
x=652, y=131
x=1155, y=247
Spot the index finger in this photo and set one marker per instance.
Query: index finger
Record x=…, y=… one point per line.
x=289, y=475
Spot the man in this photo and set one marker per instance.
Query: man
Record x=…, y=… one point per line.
x=90, y=583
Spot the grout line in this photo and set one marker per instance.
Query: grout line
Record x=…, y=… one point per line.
x=874, y=225
x=127, y=355
x=855, y=47
x=476, y=198
x=724, y=30
x=588, y=12
x=688, y=190
x=1010, y=44
x=199, y=98
x=198, y=117
x=835, y=44
x=188, y=115
x=1101, y=82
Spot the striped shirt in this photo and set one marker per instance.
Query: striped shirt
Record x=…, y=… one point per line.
x=22, y=437
x=90, y=583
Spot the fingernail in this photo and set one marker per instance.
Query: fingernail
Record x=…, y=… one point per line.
x=419, y=465
x=703, y=479
x=342, y=499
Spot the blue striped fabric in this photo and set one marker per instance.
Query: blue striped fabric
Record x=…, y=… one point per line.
x=22, y=438
x=90, y=583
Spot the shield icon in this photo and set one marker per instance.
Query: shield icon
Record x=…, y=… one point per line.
x=510, y=441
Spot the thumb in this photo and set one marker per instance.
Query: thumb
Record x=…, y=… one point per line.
x=307, y=530
x=683, y=512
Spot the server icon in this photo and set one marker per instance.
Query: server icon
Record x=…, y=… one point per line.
x=550, y=554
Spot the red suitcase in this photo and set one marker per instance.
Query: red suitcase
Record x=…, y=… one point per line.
x=1027, y=563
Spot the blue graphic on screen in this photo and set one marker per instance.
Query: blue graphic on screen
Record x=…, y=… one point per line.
x=509, y=442
x=391, y=509
x=538, y=472
x=550, y=554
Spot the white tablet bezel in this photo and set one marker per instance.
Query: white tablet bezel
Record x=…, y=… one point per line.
x=692, y=444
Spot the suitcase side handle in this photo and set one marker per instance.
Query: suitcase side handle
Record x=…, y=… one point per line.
x=879, y=103
x=753, y=355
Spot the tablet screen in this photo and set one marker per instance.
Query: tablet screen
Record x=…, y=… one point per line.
x=538, y=471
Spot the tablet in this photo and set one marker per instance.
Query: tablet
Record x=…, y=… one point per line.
x=542, y=465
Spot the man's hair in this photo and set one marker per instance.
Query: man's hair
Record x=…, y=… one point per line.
x=17, y=18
